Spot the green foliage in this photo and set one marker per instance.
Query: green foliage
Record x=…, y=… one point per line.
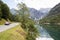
x=0, y=13
x=4, y=11
x=2, y=21
x=26, y=22
x=22, y=17
x=32, y=32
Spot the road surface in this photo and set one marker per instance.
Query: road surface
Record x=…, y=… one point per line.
x=6, y=27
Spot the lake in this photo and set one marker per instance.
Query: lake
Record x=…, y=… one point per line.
x=48, y=32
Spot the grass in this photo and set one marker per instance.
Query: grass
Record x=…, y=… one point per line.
x=2, y=21
x=16, y=33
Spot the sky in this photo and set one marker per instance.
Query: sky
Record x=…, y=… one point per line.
x=37, y=4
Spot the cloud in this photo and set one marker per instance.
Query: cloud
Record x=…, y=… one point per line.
x=18, y=1
x=37, y=4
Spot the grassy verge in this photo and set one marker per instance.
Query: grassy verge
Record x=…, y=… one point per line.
x=2, y=21
x=16, y=33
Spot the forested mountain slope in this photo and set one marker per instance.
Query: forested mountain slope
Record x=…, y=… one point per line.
x=53, y=16
x=55, y=10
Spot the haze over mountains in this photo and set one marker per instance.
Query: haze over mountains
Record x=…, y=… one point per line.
x=34, y=14
x=13, y=11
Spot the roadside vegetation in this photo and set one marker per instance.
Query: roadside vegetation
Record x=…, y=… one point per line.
x=2, y=21
x=27, y=24
x=16, y=33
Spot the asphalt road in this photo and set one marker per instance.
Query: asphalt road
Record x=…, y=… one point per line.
x=6, y=27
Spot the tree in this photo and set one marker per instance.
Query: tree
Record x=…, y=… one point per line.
x=5, y=12
x=0, y=9
x=27, y=23
x=0, y=12
x=24, y=13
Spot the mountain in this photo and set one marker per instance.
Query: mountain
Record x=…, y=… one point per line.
x=53, y=19
x=38, y=14
x=44, y=11
x=34, y=14
x=13, y=11
x=55, y=10
x=53, y=16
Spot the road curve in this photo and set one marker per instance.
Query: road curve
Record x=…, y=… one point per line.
x=6, y=27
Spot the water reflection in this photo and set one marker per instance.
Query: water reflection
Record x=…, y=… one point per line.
x=44, y=35
x=44, y=38
x=53, y=30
